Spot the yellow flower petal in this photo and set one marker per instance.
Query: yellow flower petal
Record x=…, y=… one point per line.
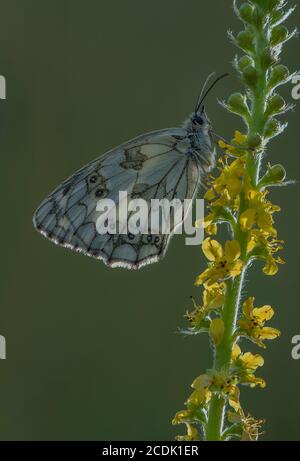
x=240, y=138
x=234, y=399
x=208, y=223
x=269, y=333
x=252, y=243
x=217, y=330
x=237, y=268
x=180, y=417
x=222, y=144
x=254, y=196
x=248, y=307
x=208, y=219
x=252, y=361
x=197, y=397
x=202, y=381
x=247, y=219
x=254, y=381
x=210, y=195
x=262, y=314
x=192, y=432
x=203, y=277
x=265, y=222
x=236, y=352
x=212, y=249
x=232, y=250
x=213, y=296
x=271, y=267
x=191, y=436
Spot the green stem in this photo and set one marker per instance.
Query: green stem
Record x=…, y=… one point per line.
x=257, y=122
x=223, y=354
x=215, y=420
x=223, y=351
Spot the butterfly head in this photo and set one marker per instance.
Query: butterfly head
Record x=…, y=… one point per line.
x=199, y=121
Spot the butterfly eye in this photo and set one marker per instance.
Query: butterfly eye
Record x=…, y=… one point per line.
x=199, y=120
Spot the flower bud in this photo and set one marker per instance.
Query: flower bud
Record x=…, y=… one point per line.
x=246, y=12
x=278, y=75
x=276, y=173
x=244, y=62
x=267, y=58
x=250, y=76
x=272, y=128
x=237, y=103
x=245, y=40
x=279, y=35
x=254, y=141
x=275, y=105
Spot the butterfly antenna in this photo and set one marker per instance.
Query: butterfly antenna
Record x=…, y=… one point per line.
x=203, y=88
x=201, y=98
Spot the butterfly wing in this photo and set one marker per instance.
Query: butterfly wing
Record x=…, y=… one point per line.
x=154, y=165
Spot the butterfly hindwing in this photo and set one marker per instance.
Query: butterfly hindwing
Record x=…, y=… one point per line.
x=154, y=165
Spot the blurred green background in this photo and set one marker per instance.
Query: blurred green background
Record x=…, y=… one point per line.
x=94, y=353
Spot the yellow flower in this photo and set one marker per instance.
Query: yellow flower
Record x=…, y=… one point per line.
x=226, y=384
x=198, y=315
x=210, y=195
x=253, y=320
x=249, y=425
x=253, y=381
x=225, y=189
x=213, y=298
x=266, y=246
x=218, y=381
x=202, y=382
x=209, y=225
x=231, y=178
x=185, y=417
x=259, y=213
x=247, y=360
x=271, y=267
x=244, y=366
x=239, y=139
x=191, y=436
x=201, y=394
x=181, y=417
x=234, y=399
x=225, y=261
x=199, y=397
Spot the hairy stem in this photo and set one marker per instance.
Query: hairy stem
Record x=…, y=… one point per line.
x=234, y=287
x=222, y=360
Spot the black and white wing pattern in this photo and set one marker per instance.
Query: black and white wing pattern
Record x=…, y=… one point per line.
x=154, y=165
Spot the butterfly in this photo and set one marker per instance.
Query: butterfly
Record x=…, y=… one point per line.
x=167, y=163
